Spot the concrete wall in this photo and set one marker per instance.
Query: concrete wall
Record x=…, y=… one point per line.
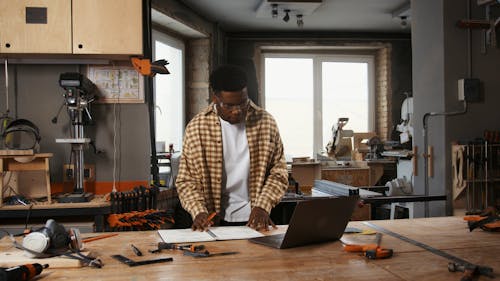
x=439, y=60
x=35, y=95
x=483, y=115
x=428, y=94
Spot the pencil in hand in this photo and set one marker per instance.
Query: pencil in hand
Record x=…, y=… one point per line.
x=210, y=218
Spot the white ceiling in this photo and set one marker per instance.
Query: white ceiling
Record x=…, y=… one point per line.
x=331, y=15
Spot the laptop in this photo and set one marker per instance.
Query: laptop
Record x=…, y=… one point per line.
x=313, y=221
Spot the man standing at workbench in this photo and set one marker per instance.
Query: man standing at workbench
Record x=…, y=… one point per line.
x=232, y=160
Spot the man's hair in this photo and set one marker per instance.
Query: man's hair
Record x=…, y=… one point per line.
x=228, y=78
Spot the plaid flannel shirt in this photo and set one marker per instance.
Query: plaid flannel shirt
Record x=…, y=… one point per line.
x=200, y=172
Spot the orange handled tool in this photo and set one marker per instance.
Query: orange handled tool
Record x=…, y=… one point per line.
x=371, y=251
x=379, y=253
x=22, y=272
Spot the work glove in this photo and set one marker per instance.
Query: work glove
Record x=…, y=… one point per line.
x=201, y=222
x=260, y=220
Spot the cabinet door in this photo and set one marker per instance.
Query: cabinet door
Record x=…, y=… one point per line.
x=107, y=27
x=35, y=26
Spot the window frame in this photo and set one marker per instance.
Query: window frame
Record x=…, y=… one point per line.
x=318, y=59
x=175, y=42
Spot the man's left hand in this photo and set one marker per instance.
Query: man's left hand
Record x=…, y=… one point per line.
x=259, y=219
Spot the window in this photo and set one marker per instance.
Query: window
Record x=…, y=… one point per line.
x=307, y=94
x=169, y=91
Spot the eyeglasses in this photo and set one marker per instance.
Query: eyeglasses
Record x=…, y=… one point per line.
x=241, y=106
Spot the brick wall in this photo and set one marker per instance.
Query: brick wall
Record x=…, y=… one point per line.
x=197, y=73
x=383, y=93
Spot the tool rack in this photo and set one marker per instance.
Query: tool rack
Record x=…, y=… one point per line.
x=476, y=175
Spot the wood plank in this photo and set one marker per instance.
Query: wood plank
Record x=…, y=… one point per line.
x=10, y=152
x=10, y=256
x=95, y=203
x=326, y=261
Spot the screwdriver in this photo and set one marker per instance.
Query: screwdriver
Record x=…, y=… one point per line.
x=136, y=250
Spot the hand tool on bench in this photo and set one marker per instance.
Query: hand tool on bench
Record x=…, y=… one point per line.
x=459, y=263
x=136, y=250
x=206, y=254
x=21, y=272
x=172, y=246
x=131, y=263
x=489, y=223
x=470, y=272
x=371, y=251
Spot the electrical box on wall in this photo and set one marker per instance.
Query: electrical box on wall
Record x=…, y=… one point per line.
x=469, y=90
x=88, y=173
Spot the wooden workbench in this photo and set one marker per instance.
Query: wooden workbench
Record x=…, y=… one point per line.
x=98, y=208
x=315, y=262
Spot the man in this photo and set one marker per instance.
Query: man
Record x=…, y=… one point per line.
x=232, y=160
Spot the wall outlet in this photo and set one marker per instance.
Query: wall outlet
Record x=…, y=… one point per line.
x=69, y=173
x=469, y=90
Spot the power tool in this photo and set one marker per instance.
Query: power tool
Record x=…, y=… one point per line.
x=21, y=272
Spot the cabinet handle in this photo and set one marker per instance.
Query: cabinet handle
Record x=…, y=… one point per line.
x=7, y=45
x=430, y=158
x=80, y=46
x=414, y=161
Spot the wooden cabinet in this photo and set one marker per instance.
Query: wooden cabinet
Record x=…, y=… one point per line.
x=104, y=27
x=349, y=176
x=35, y=26
x=107, y=27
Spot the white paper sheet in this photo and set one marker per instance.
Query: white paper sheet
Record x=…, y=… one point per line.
x=234, y=232
x=215, y=233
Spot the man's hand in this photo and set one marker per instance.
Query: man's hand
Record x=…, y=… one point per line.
x=259, y=219
x=201, y=222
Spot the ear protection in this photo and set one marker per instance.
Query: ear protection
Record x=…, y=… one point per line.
x=51, y=239
x=21, y=134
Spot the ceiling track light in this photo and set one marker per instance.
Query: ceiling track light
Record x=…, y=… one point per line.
x=274, y=10
x=404, y=21
x=300, y=21
x=286, y=18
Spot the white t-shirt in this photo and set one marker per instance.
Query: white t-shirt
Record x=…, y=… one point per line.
x=236, y=168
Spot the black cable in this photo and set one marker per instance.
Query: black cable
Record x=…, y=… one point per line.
x=28, y=216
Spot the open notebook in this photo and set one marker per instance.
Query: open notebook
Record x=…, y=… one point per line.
x=212, y=234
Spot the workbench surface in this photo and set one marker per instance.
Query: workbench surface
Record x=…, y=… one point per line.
x=325, y=261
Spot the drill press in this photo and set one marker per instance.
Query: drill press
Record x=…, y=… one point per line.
x=77, y=98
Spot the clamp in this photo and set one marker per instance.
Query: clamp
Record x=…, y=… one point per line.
x=470, y=270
